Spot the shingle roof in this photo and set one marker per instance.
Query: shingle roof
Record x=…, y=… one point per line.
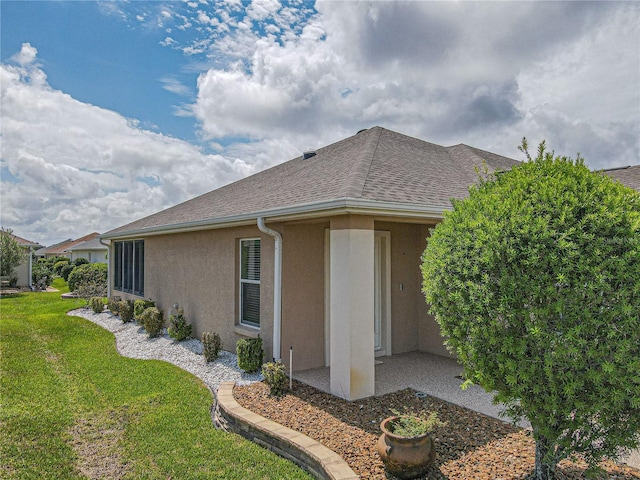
x=93, y=244
x=629, y=176
x=62, y=246
x=23, y=242
x=374, y=165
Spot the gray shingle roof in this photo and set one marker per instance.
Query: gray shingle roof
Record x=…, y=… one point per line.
x=629, y=176
x=374, y=165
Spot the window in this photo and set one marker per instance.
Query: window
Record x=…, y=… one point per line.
x=128, y=267
x=250, y=282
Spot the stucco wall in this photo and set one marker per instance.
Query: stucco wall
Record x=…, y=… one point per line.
x=303, y=294
x=412, y=328
x=198, y=270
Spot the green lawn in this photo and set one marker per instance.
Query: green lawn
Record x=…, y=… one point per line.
x=72, y=407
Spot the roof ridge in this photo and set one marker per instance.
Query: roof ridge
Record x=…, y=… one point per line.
x=360, y=169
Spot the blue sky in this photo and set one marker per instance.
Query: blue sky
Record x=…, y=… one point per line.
x=114, y=110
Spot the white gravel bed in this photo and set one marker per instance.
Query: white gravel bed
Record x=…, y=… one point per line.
x=132, y=341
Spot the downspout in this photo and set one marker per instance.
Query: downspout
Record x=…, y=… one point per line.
x=108, y=245
x=277, y=286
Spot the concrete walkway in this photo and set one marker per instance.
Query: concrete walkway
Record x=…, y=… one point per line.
x=432, y=374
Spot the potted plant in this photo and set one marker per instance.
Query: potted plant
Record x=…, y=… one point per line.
x=405, y=446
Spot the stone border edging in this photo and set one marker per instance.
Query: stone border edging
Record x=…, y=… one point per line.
x=305, y=452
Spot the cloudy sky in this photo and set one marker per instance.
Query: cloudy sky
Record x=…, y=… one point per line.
x=114, y=110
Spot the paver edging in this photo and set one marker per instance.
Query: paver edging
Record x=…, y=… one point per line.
x=305, y=452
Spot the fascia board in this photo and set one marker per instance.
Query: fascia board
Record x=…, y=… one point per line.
x=297, y=212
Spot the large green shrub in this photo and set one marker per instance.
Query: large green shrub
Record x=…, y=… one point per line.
x=212, y=345
x=178, y=328
x=152, y=320
x=140, y=306
x=66, y=270
x=535, y=282
x=250, y=354
x=59, y=265
x=89, y=280
x=80, y=261
x=41, y=274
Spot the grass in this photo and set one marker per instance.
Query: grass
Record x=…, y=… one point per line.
x=72, y=407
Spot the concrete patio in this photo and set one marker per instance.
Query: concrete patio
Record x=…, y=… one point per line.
x=432, y=374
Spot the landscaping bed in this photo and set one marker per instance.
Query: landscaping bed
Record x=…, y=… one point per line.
x=472, y=446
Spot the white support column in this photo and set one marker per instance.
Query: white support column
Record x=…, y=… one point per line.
x=352, y=313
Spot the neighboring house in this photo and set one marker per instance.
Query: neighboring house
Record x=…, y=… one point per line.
x=23, y=271
x=91, y=250
x=320, y=253
x=60, y=249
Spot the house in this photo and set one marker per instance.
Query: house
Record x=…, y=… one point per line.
x=309, y=254
x=91, y=250
x=22, y=272
x=60, y=249
x=629, y=175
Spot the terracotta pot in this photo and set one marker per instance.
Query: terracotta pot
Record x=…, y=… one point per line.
x=405, y=457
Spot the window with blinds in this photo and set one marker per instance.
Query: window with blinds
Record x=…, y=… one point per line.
x=250, y=282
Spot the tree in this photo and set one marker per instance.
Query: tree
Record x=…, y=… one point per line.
x=11, y=253
x=535, y=282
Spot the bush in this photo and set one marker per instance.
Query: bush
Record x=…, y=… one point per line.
x=91, y=278
x=57, y=267
x=250, y=354
x=212, y=346
x=179, y=329
x=41, y=275
x=66, y=270
x=140, y=306
x=113, y=304
x=80, y=261
x=125, y=310
x=275, y=376
x=97, y=304
x=152, y=321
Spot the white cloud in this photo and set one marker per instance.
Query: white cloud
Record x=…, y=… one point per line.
x=26, y=55
x=74, y=168
x=566, y=72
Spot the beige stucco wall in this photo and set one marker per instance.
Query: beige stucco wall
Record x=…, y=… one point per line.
x=198, y=270
x=412, y=328
x=22, y=273
x=303, y=294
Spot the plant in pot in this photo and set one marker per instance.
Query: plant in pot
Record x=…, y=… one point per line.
x=405, y=446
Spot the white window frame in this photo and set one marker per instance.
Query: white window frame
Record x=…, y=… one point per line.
x=242, y=281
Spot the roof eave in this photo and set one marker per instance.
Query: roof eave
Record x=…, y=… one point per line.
x=297, y=212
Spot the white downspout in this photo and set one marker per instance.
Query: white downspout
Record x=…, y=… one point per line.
x=108, y=245
x=277, y=286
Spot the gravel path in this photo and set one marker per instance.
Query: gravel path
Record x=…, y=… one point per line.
x=132, y=341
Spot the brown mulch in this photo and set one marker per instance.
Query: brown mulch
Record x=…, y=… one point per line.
x=470, y=446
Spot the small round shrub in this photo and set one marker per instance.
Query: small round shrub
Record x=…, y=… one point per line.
x=113, y=304
x=178, y=328
x=250, y=354
x=212, y=346
x=152, y=321
x=96, y=304
x=140, y=306
x=276, y=377
x=80, y=261
x=125, y=310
